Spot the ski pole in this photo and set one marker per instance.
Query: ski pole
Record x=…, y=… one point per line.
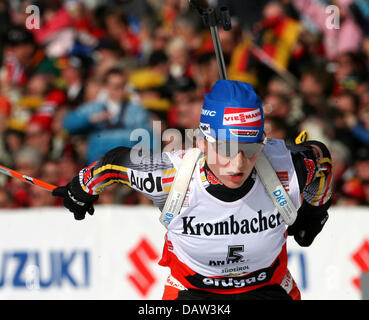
x=25, y=178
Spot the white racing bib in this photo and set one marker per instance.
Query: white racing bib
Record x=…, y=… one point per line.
x=216, y=238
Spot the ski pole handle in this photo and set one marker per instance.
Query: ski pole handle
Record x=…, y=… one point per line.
x=34, y=181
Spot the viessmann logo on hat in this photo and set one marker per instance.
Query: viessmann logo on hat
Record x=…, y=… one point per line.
x=241, y=117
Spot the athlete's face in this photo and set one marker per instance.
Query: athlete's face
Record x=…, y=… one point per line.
x=234, y=169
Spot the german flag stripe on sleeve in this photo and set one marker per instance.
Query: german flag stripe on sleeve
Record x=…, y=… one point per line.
x=117, y=177
x=101, y=175
x=151, y=176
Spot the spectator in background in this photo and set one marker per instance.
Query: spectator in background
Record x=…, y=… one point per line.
x=149, y=85
x=336, y=41
x=183, y=90
x=28, y=161
x=160, y=38
x=277, y=33
x=13, y=139
x=359, y=125
x=187, y=27
x=353, y=193
x=107, y=55
x=18, y=53
x=318, y=128
x=361, y=164
x=92, y=89
x=360, y=171
x=341, y=166
x=73, y=73
x=362, y=92
x=205, y=72
x=178, y=54
x=58, y=73
x=188, y=113
x=38, y=135
x=277, y=86
x=149, y=91
x=185, y=113
x=344, y=107
x=278, y=106
x=56, y=33
x=315, y=87
x=118, y=29
x=276, y=128
x=35, y=91
x=5, y=110
x=108, y=123
x=158, y=62
x=60, y=141
x=350, y=71
x=68, y=167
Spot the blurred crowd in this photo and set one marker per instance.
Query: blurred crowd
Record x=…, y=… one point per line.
x=78, y=76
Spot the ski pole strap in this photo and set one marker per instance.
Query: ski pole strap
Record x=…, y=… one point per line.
x=178, y=190
x=276, y=191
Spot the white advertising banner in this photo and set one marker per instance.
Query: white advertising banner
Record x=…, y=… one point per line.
x=46, y=254
x=331, y=267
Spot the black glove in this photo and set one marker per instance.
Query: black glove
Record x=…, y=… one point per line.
x=75, y=199
x=309, y=222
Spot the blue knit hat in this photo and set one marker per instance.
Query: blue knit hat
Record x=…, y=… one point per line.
x=232, y=111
